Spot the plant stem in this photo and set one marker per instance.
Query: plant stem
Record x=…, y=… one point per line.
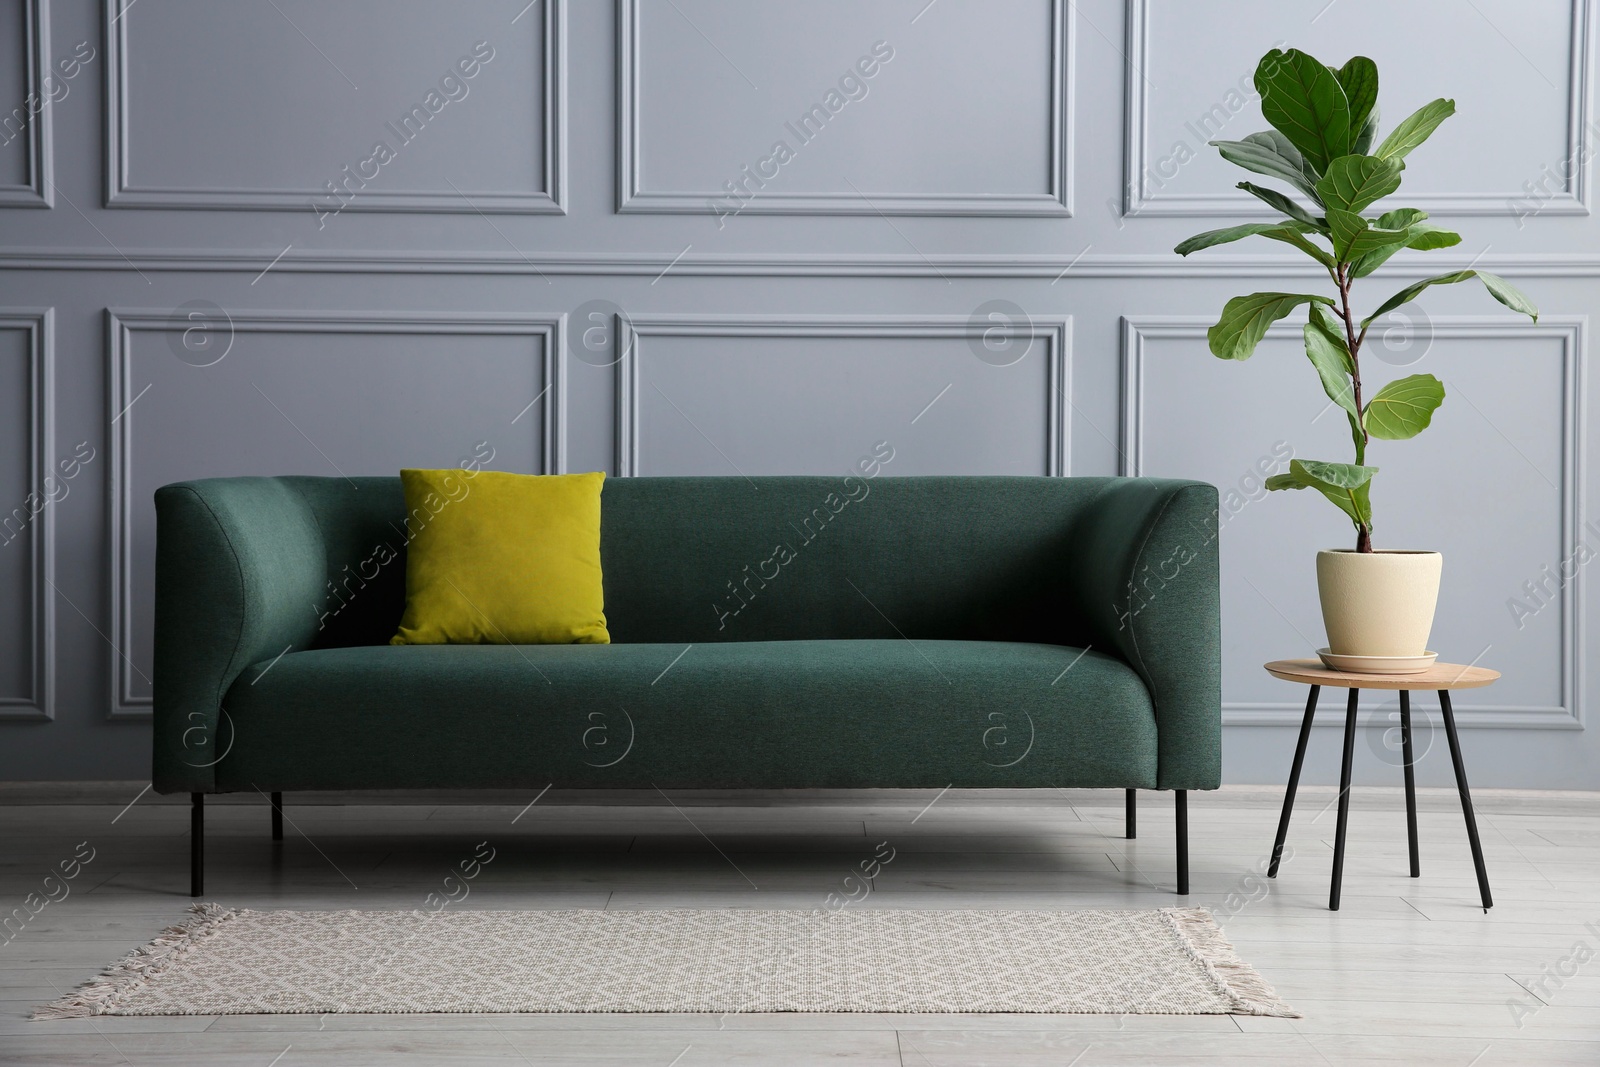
x=1342, y=279
x=1354, y=343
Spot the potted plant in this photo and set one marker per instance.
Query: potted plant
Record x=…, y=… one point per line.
x=1377, y=605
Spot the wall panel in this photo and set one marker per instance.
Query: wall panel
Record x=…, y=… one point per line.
x=31, y=491
x=1528, y=122
x=487, y=104
x=1428, y=494
x=336, y=395
x=819, y=134
x=809, y=395
x=25, y=105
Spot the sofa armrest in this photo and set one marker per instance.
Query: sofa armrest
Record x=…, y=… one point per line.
x=240, y=568
x=1145, y=575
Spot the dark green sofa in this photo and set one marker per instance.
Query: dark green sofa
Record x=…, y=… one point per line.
x=897, y=632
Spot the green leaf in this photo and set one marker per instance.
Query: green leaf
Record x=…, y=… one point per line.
x=1498, y=287
x=1424, y=236
x=1294, y=233
x=1337, y=475
x=1245, y=320
x=1331, y=357
x=1428, y=237
x=1403, y=408
x=1354, y=236
x=1346, y=485
x=1344, y=227
x=1362, y=266
x=1303, y=100
x=1508, y=294
x=1415, y=129
x=1401, y=217
x=1282, y=203
x=1360, y=501
x=1271, y=153
x=1362, y=145
x=1329, y=354
x=1359, y=80
x=1353, y=182
x=1287, y=232
x=1224, y=236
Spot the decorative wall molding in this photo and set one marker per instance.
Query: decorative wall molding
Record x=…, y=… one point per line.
x=633, y=198
x=1573, y=200
x=1056, y=333
x=122, y=323
x=549, y=201
x=1571, y=332
x=777, y=265
x=39, y=325
x=39, y=190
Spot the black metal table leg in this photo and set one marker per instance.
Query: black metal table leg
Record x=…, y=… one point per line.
x=1344, y=799
x=1181, y=802
x=1411, y=783
x=1466, y=797
x=277, y=816
x=1294, y=782
x=197, y=844
x=1130, y=818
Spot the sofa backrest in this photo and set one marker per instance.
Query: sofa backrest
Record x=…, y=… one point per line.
x=768, y=558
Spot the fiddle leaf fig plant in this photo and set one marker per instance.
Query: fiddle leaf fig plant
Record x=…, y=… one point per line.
x=1325, y=121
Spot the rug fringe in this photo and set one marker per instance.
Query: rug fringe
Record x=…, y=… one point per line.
x=1238, y=981
x=104, y=992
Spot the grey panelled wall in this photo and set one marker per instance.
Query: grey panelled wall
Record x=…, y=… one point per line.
x=706, y=236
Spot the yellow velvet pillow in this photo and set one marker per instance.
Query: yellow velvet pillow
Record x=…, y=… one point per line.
x=502, y=559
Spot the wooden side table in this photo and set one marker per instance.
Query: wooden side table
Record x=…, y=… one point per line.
x=1442, y=677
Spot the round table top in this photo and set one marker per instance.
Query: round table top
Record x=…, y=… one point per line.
x=1439, y=676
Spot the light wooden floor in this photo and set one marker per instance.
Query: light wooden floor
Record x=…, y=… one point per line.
x=1409, y=972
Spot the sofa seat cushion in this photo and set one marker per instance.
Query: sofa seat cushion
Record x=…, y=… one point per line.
x=760, y=714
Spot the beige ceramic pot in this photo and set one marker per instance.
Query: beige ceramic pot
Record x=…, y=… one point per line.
x=1378, y=603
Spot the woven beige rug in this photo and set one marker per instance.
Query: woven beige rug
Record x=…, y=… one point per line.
x=232, y=962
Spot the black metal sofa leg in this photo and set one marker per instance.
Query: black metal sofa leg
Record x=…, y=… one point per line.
x=1181, y=798
x=277, y=816
x=1131, y=816
x=197, y=844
